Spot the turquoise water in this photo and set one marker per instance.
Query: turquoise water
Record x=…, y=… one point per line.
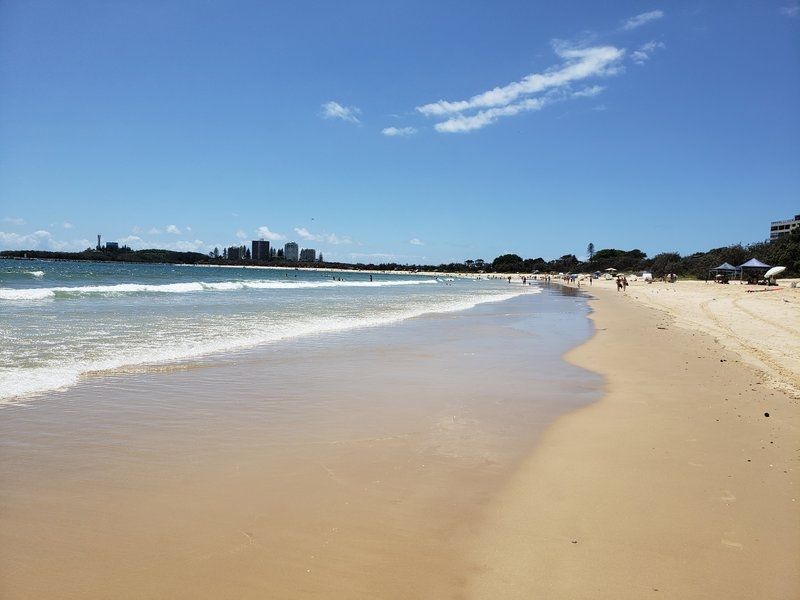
x=62, y=320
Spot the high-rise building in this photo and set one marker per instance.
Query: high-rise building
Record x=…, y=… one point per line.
x=260, y=250
x=779, y=228
x=308, y=255
x=236, y=253
x=291, y=252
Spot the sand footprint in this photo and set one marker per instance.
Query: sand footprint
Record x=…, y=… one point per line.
x=728, y=497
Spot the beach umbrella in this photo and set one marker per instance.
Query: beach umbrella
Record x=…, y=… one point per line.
x=610, y=269
x=774, y=272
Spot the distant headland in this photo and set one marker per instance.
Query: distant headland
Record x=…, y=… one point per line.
x=783, y=250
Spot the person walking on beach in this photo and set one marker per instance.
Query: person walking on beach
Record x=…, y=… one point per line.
x=624, y=284
x=619, y=283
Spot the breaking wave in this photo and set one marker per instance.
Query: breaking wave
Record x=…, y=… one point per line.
x=189, y=287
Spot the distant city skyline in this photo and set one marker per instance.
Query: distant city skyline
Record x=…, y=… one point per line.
x=383, y=133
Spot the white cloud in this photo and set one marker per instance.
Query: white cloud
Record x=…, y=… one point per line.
x=173, y=229
x=587, y=92
x=67, y=225
x=307, y=235
x=154, y=231
x=416, y=242
x=39, y=240
x=241, y=235
x=187, y=228
x=330, y=238
x=374, y=255
x=264, y=233
x=334, y=110
x=386, y=257
x=791, y=10
x=600, y=107
x=462, y=124
x=398, y=131
x=641, y=19
x=131, y=240
x=579, y=63
x=14, y=220
x=188, y=246
x=642, y=55
x=137, y=243
x=136, y=229
x=514, y=98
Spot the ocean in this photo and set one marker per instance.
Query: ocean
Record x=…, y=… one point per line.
x=60, y=321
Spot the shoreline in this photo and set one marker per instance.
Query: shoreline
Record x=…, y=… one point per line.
x=676, y=481
x=354, y=467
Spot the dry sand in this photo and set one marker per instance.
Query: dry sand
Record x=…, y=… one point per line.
x=676, y=484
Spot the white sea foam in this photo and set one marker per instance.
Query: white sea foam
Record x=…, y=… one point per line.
x=189, y=287
x=17, y=383
x=37, y=274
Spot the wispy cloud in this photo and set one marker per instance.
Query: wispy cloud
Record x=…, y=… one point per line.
x=642, y=55
x=791, y=10
x=416, y=242
x=588, y=92
x=642, y=19
x=67, y=225
x=241, y=235
x=514, y=98
x=137, y=243
x=398, y=131
x=334, y=110
x=329, y=238
x=385, y=257
x=154, y=231
x=173, y=229
x=13, y=220
x=40, y=239
x=264, y=233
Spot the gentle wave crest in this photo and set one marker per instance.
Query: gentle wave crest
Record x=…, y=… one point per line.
x=20, y=382
x=188, y=287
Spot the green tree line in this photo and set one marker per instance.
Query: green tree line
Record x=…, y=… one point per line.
x=784, y=251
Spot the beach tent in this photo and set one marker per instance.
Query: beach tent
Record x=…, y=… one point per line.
x=724, y=269
x=754, y=264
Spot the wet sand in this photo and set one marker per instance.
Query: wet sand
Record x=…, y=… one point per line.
x=356, y=465
x=682, y=481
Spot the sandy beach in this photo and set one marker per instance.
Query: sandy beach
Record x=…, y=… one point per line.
x=450, y=456
x=682, y=481
x=354, y=465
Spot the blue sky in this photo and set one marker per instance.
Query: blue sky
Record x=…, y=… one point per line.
x=403, y=131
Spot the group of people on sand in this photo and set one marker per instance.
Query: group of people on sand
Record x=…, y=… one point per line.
x=622, y=283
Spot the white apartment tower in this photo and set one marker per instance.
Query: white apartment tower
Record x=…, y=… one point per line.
x=291, y=252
